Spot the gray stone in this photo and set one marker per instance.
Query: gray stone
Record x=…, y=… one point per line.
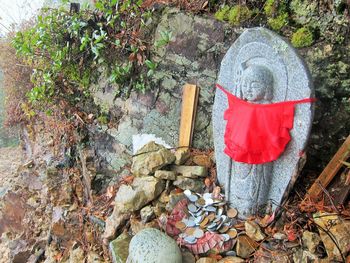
x=174, y=198
x=206, y=260
x=76, y=255
x=190, y=171
x=147, y=213
x=245, y=246
x=187, y=257
x=253, y=230
x=182, y=155
x=130, y=198
x=93, y=257
x=165, y=175
x=262, y=56
x=150, y=158
x=304, y=256
x=339, y=230
x=152, y=246
x=133, y=197
x=113, y=223
x=185, y=183
x=231, y=260
x=119, y=248
x=311, y=241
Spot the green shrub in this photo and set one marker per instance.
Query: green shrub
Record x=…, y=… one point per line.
x=65, y=49
x=303, y=37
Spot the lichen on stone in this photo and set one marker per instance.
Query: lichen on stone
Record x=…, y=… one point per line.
x=303, y=37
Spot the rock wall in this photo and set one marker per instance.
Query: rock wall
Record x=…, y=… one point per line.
x=193, y=56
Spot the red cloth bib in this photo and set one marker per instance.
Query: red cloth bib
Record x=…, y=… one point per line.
x=257, y=133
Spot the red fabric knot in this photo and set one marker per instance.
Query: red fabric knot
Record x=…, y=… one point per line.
x=257, y=133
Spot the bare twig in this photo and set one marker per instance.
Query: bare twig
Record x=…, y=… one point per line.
x=328, y=195
x=86, y=178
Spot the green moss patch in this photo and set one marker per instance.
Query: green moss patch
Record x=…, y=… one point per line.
x=235, y=15
x=303, y=37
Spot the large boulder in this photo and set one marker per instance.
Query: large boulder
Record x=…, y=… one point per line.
x=152, y=246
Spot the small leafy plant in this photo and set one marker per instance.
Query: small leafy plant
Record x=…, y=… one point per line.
x=165, y=37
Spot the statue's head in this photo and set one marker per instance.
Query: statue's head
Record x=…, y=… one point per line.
x=257, y=83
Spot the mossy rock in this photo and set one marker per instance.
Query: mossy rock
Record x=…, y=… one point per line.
x=303, y=37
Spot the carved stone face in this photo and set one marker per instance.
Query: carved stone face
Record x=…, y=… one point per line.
x=257, y=84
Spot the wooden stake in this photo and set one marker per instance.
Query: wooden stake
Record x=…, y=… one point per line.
x=188, y=114
x=331, y=169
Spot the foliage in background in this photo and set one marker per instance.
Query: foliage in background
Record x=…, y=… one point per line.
x=66, y=48
x=16, y=84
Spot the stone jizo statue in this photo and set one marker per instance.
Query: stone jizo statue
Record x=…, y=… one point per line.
x=260, y=68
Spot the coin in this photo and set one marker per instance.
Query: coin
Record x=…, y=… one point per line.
x=190, y=239
x=207, y=196
x=224, y=229
x=212, y=226
x=190, y=223
x=187, y=193
x=224, y=218
x=232, y=213
x=217, y=219
x=199, y=219
x=204, y=222
x=191, y=218
x=211, y=217
x=232, y=233
x=192, y=198
x=210, y=208
x=189, y=231
x=231, y=253
x=198, y=233
x=200, y=202
x=192, y=208
x=180, y=225
x=226, y=237
x=200, y=212
x=220, y=211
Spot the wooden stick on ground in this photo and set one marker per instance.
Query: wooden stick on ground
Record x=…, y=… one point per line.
x=188, y=114
x=331, y=169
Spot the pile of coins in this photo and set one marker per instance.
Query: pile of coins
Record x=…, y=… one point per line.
x=206, y=213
